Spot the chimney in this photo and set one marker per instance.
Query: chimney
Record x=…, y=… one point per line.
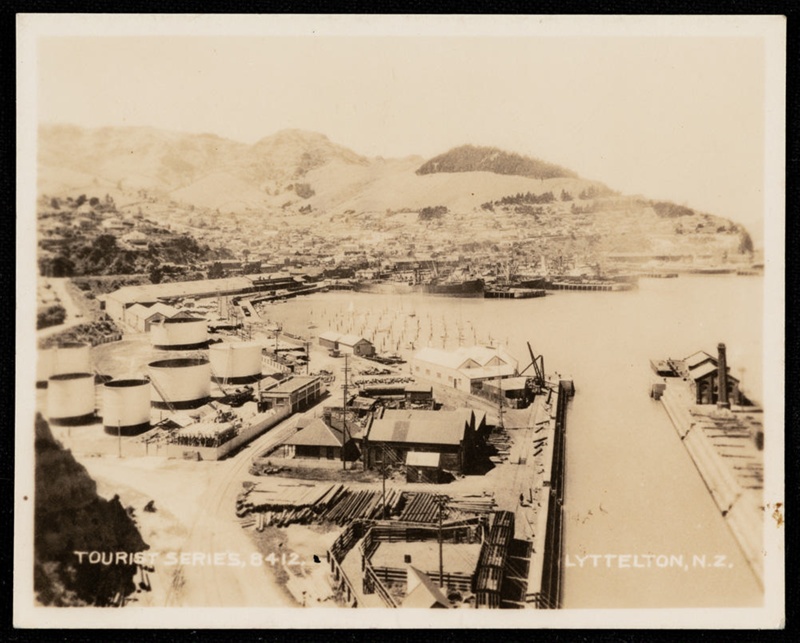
x=722, y=379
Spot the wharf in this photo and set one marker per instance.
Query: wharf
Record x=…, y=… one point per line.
x=616, y=286
x=514, y=293
x=659, y=275
x=725, y=446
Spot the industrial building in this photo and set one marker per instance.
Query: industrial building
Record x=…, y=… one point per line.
x=466, y=368
x=118, y=302
x=319, y=441
x=296, y=393
x=450, y=434
x=141, y=317
x=704, y=372
x=347, y=344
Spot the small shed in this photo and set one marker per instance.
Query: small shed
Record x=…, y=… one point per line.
x=424, y=466
x=355, y=345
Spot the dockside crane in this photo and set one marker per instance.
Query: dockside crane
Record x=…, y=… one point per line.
x=538, y=366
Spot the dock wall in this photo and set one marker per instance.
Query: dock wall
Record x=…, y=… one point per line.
x=722, y=485
x=549, y=596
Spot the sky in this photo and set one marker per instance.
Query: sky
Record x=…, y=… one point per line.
x=678, y=117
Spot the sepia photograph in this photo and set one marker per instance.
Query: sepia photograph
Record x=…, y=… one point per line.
x=467, y=313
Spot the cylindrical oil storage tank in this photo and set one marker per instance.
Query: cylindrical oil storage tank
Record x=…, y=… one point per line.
x=180, y=333
x=180, y=383
x=235, y=362
x=71, y=358
x=44, y=366
x=70, y=398
x=126, y=407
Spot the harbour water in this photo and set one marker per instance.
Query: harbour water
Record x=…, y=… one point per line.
x=631, y=488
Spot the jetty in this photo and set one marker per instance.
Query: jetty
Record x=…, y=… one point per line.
x=723, y=433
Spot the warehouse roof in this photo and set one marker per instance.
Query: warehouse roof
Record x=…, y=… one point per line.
x=291, y=385
x=153, y=292
x=467, y=357
x=421, y=427
x=351, y=340
x=317, y=433
x=695, y=359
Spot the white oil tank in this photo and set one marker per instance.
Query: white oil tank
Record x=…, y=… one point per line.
x=126, y=407
x=71, y=358
x=71, y=398
x=44, y=365
x=235, y=362
x=180, y=333
x=180, y=383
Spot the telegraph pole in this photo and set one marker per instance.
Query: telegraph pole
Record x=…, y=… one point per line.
x=344, y=414
x=441, y=501
x=383, y=476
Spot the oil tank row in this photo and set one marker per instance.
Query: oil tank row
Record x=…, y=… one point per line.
x=70, y=398
x=180, y=383
x=180, y=333
x=67, y=358
x=126, y=406
x=176, y=383
x=236, y=362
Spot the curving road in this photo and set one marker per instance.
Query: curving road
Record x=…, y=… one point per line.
x=217, y=531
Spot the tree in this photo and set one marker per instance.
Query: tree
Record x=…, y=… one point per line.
x=745, y=242
x=216, y=271
x=156, y=274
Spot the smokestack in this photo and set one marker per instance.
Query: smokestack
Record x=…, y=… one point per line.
x=722, y=378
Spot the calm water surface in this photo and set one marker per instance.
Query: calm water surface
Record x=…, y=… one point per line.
x=631, y=488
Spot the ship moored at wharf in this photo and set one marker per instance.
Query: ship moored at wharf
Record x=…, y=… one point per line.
x=723, y=433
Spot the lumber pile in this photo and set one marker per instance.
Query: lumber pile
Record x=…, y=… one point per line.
x=281, y=505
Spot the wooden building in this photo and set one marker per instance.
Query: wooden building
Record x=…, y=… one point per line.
x=298, y=393
x=319, y=441
x=451, y=434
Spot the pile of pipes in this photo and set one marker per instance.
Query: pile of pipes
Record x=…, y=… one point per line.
x=422, y=507
x=501, y=441
x=473, y=504
x=357, y=505
x=281, y=505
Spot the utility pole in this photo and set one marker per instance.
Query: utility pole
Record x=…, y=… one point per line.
x=344, y=414
x=119, y=439
x=500, y=400
x=383, y=476
x=441, y=501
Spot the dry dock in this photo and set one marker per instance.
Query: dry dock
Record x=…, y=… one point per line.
x=725, y=438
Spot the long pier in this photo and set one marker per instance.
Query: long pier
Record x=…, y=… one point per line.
x=726, y=451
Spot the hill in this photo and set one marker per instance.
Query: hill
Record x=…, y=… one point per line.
x=301, y=183
x=469, y=158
